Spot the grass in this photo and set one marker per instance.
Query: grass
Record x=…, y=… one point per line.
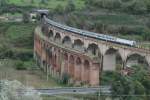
x=76, y=97
x=118, y=19
x=51, y=4
x=19, y=30
x=16, y=40
x=12, y=14
x=36, y=79
x=145, y=45
x=52, y=98
x=17, y=35
x=131, y=37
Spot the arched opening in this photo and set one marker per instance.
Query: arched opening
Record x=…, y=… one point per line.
x=43, y=14
x=65, y=62
x=71, y=66
x=44, y=29
x=49, y=58
x=55, y=61
x=67, y=41
x=136, y=60
x=38, y=59
x=93, y=50
x=50, y=34
x=78, y=61
x=57, y=38
x=65, y=56
x=50, y=53
x=78, y=69
x=112, y=60
x=44, y=65
x=86, y=71
x=78, y=45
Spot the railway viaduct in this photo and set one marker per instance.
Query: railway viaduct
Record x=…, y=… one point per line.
x=60, y=52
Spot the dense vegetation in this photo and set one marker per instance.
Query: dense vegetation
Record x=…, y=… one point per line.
x=130, y=6
x=115, y=17
x=50, y=4
x=16, y=41
x=133, y=87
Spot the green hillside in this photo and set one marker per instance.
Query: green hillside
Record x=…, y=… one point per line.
x=46, y=3
x=116, y=17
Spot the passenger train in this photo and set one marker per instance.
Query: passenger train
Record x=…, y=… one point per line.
x=91, y=34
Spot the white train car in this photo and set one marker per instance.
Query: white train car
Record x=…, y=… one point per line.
x=92, y=34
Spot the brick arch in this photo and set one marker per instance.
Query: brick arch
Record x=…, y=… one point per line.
x=50, y=55
x=55, y=60
x=67, y=41
x=45, y=29
x=71, y=65
x=148, y=59
x=112, y=59
x=50, y=34
x=134, y=53
x=86, y=71
x=110, y=50
x=93, y=49
x=78, y=45
x=57, y=37
x=78, y=61
x=65, y=58
x=43, y=45
x=78, y=69
x=136, y=58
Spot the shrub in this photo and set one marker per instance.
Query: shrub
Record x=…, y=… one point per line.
x=146, y=35
x=59, y=9
x=65, y=78
x=19, y=65
x=26, y=18
x=70, y=6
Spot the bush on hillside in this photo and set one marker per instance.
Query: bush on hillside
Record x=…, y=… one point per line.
x=19, y=65
x=26, y=17
x=59, y=9
x=133, y=6
x=65, y=78
x=70, y=6
x=146, y=35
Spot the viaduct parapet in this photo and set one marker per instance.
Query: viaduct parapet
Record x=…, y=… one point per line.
x=59, y=51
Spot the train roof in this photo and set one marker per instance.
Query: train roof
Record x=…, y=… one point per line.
x=84, y=32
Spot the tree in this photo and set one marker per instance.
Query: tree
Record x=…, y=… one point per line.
x=139, y=7
x=3, y=2
x=127, y=87
x=70, y=6
x=32, y=1
x=139, y=89
x=65, y=78
x=121, y=87
x=147, y=2
x=26, y=18
x=44, y=2
x=146, y=35
x=59, y=9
